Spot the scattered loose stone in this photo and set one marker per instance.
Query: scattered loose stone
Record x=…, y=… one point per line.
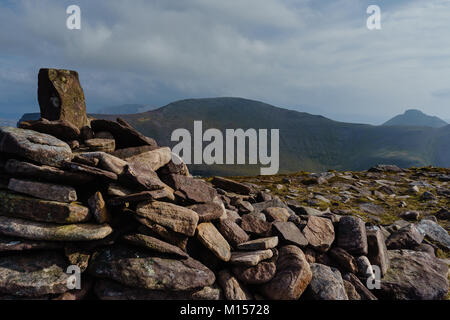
x=46, y=191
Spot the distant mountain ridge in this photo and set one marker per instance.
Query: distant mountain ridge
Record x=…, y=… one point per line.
x=307, y=142
x=414, y=117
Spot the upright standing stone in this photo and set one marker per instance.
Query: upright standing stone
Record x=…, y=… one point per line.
x=61, y=97
x=352, y=236
x=378, y=253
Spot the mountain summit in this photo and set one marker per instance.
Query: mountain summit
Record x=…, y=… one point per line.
x=414, y=117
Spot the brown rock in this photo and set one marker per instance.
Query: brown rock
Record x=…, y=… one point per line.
x=154, y=159
x=140, y=269
x=106, y=161
x=208, y=235
x=405, y=238
x=345, y=261
x=16, y=244
x=61, y=97
x=231, y=186
x=352, y=236
x=18, y=206
x=378, y=253
x=60, y=129
x=77, y=257
x=352, y=294
x=142, y=178
x=49, y=232
x=124, y=135
x=277, y=214
x=98, y=208
x=250, y=258
x=259, y=244
x=92, y=171
x=232, y=232
x=263, y=272
x=38, y=147
x=208, y=211
x=144, y=196
x=192, y=190
x=290, y=234
x=104, y=145
x=292, y=277
x=168, y=235
x=133, y=151
x=156, y=245
x=362, y=290
x=252, y=224
x=320, y=233
x=46, y=191
x=176, y=218
x=231, y=287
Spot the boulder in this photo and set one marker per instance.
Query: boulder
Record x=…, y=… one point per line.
x=405, y=238
x=276, y=214
x=250, y=258
x=232, y=232
x=154, y=159
x=102, y=145
x=61, y=97
x=33, y=274
x=144, y=196
x=352, y=235
x=434, y=232
x=344, y=260
x=208, y=235
x=292, y=277
x=377, y=250
x=141, y=269
x=231, y=186
x=259, y=244
x=208, y=211
x=192, y=190
x=61, y=129
x=364, y=293
x=106, y=161
x=38, y=147
x=142, y=178
x=154, y=244
x=252, y=224
x=262, y=273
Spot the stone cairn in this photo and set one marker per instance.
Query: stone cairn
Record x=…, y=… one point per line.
x=98, y=195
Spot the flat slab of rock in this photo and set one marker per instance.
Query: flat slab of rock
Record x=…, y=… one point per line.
x=232, y=289
x=110, y=290
x=42, y=190
x=38, y=147
x=125, y=135
x=352, y=236
x=46, y=173
x=208, y=211
x=415, y=275
x=142, y=178
x=326, y=283
x=132, y=151
x=176, y=218
x=292, y=277
x=154, y=159
x=19, y=206
x=435, y=232
x=61, y=97
x=231, y=186
x=290, y=233
x=407, y=237
x=162, y=194
x=276, y=214
x=259, y=244
x=254, y=225
x=92, y=171
x=33, y=274
x=16, y=244
x=140, y=269
x=106, y=161
x=320, y=233
x=60, y=129
x=155, y=244
x=49, y=232
x=378, y=253
x=211, y=238
x=232, y=232
x=250, y=258
x=103, y=145
x=192, y=190
x=263, y=272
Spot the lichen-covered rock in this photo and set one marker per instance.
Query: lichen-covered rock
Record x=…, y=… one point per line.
x=38, y=147
x=42, y=190
x=141, y=269
x=33, y=274
x=61, y=97
x=435, y=232
x=292, y=277
x=326, y=283
x=415, y=275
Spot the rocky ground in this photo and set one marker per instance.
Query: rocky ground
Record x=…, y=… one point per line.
x=99, y=197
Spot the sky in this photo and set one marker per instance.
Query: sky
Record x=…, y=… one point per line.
x=306, y=55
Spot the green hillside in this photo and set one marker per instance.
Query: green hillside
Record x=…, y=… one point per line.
x=307, y=142
x=416, y=118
